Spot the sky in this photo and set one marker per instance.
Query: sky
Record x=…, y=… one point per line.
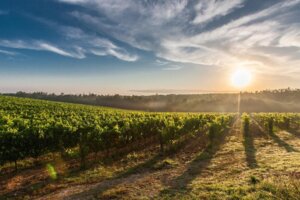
x=147, y=46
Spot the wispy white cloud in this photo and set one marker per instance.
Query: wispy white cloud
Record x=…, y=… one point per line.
x=90, y=43
x=173, y=29
x=161, y=62
x=48, y=47
x=40, y=46
x=96, y=45
x=138, y=23
x=9, y=53
x=241, y=40
x=172, y=68
x=76, y=43
x=74, y=1
x=291, y=38
x=207, y=10
x=81, y=45
x=154, y=11
x=122, y=55
x=167, y=65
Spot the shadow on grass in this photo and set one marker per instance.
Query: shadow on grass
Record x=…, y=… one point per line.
x=129, y=175
x=275, y=138
x=294, y=132
x=282, y=143
x=196, y=167
x=250, y=150
x=72, y=170
x=103, y=159
x=26, y=190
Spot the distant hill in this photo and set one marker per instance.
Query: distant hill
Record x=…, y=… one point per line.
x=281, y=100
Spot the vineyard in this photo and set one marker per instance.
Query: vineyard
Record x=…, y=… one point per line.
x=32, y=128
x=43, y=132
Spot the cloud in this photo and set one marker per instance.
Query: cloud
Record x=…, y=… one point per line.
x=138, y=23
x=207, y=10
x=161, y=62
x=9, y=53
x=40, y=46
x=168, y=66
x=187, y=31
x=74, y=42
x=172, y=68
x=82, y=44
x=244, y=39
x=122, y=55
x=48, y=47
x=88, y=43
x=154, y=11
x=96, y=45
x=74, y=1
x=291, y=38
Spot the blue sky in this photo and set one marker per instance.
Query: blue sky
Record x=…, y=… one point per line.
x=121, y=46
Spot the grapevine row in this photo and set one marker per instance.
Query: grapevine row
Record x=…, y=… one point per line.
x=31, y=128
x=279, y=120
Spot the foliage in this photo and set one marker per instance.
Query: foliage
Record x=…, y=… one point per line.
x=280, y=120
x=30, y=128
x=246, y=123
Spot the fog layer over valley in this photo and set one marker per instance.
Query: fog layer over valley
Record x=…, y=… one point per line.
x=281, y=100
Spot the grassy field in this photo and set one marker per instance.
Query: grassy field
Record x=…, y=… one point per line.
x=256, y=165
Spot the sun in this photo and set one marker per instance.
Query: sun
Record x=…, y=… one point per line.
x=241, y=78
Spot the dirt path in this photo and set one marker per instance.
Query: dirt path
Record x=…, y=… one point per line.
x=202, y=172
